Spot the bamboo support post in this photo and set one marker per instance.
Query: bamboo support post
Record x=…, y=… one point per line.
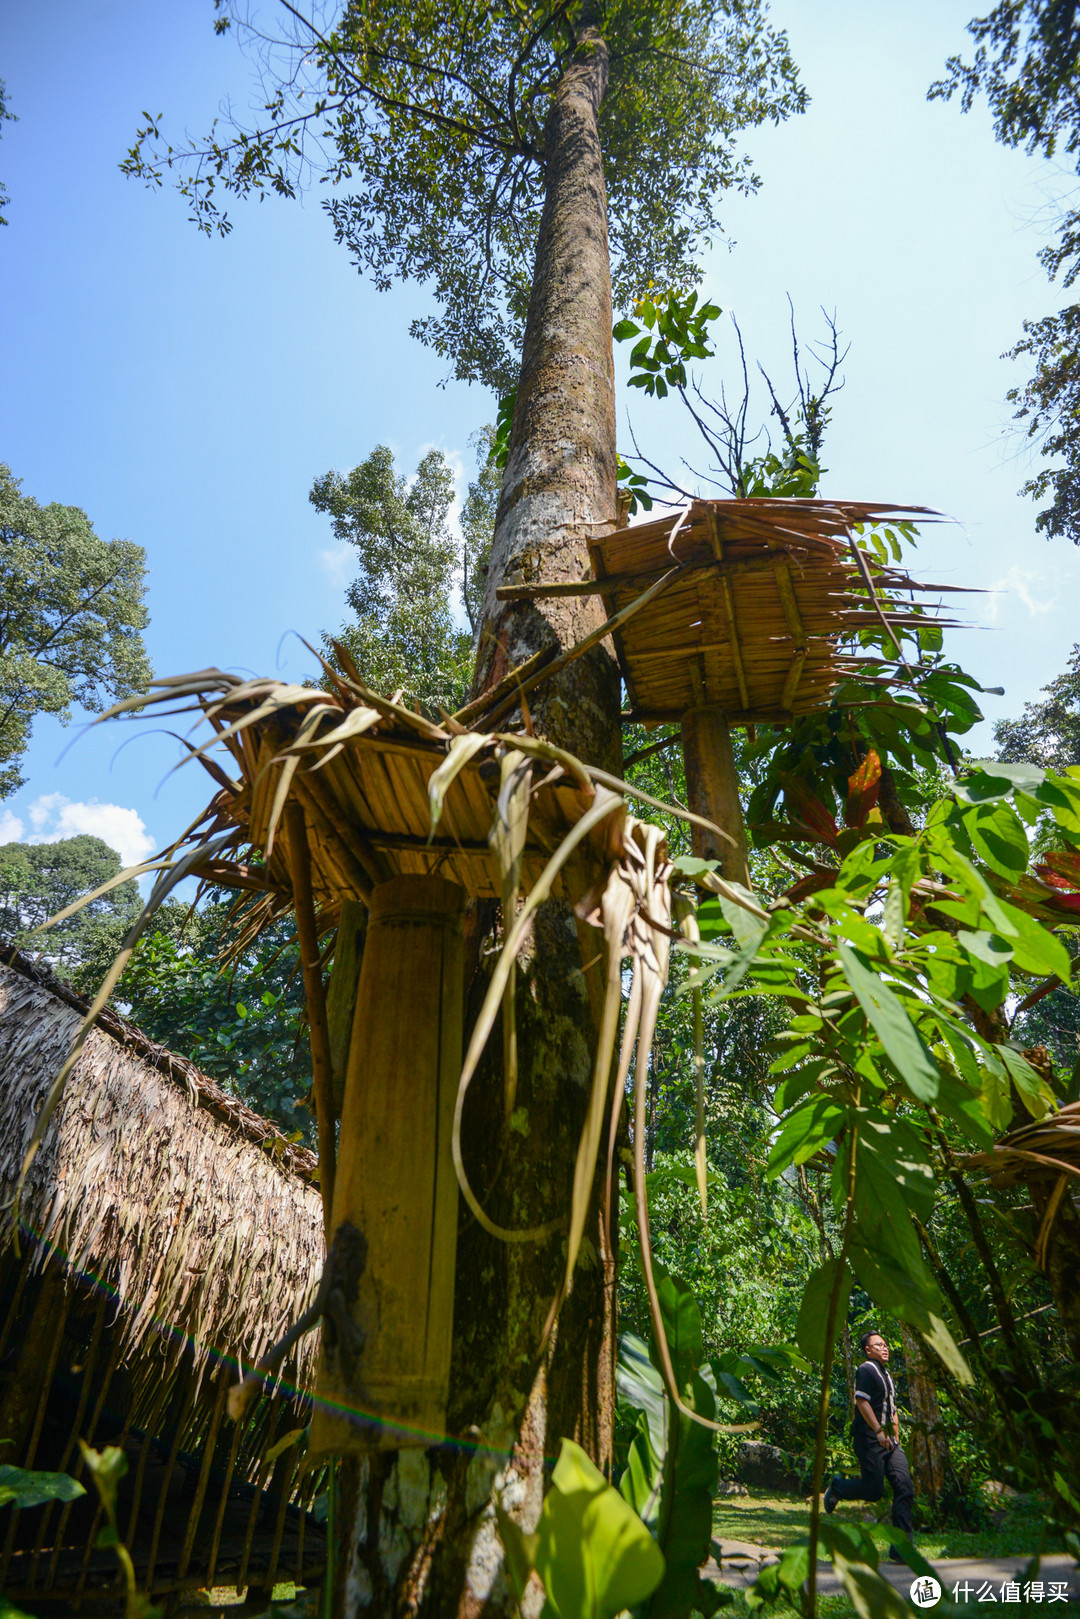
x=341, y=996
x=321, y=1064
x=223, y=1501
x=89, y=1369
x=79, y=1467
x=396, y=1192
x=279, y=1522
x=265, y=1468
x=170, y=1466
x=223, y=1382
x=37, y=1363
x=712, y=791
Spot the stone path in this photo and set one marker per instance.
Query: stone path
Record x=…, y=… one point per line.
x=739, y=1563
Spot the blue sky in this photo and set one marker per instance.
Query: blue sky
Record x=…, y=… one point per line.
x=185, y=392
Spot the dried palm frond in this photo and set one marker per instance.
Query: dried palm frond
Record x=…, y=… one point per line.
x=371, y=790
x=189, y=1211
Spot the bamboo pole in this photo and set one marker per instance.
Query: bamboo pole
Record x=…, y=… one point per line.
x=712, y=791
x=321, y=1064
x=384, y=1374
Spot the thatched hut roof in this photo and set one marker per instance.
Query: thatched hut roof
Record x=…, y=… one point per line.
x=153, y=1182
x=755, y=604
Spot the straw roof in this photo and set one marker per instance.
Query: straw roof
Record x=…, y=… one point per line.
x=1046, y=1146
x=752, y=602
x=152, y=1180
x=384, y=792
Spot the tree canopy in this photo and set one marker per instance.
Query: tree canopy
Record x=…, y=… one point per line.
x=37, y=880
x=1027, y=65
x=9, y=117
x=71, y=617
x=1047, y=733
x=429, y=123
x=404, y=635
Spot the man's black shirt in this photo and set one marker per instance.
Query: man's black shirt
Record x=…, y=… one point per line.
x=873, y=1383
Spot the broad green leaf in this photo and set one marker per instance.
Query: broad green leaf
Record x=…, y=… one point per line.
x=749, y=930
x=904, y=1045
x=520, y=1549
x=891, y=1150
x=624, y=329
x=682, y=1325
x=1034, y=1092
x=21, y=1488
x=990, y=948
x=1019, y=774
x=1036, y=949
x=997, y=835
x=971, y=879
x=967, y=1109
x=870, y=1595
x=814, y=1309
x=711, y=921
x=817, y=1120
x=911, y=1295
x=593, y=1553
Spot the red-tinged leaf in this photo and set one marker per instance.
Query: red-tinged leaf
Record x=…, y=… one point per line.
x=863, y=789
x=812, y=884
x=810, y=809
x=1050, y=876
x=1065, y=863
x=1067, y=903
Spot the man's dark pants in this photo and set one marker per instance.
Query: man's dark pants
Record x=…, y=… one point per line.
x=876, y=1466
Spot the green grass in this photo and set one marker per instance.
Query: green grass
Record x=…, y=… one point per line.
x=781, y=1520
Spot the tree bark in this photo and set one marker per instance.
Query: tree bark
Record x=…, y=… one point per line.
x=416, y=1530
x=929, y=1447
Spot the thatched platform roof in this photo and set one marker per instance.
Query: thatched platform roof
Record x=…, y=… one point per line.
x=760, y=599
x=201, y=1220
x=1045, y=1146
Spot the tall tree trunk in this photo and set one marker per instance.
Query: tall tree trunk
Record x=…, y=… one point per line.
x=929, y=1448
x=416, y=1529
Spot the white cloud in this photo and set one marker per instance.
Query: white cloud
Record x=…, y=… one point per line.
x=54, y=817
x=338, y=561
x=1023, y=583
x=11, y=828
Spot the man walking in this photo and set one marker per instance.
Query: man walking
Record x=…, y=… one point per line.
x=875, y=1434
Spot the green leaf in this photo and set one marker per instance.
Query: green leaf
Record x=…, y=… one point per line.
x=1037, y=950
x=520, y=1549
x=870, y=1595
x=1034, y=1092
x=893, y=1152
x=624, y=329
x=1019, y=774
x=998, y=836
x=814, y=1308
x=593, y=1553
x=990, y=948
x=21, y=1488
x=107, y=1536
x=904, y=1045
x=682, y=1325
x=817, y=1120
x=106, y=1467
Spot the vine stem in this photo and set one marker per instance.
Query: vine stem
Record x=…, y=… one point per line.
x=826, y=1376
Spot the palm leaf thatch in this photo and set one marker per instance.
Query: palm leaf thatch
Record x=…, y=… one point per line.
x=334, y=792
x=1045, y=1145
x=192, y=1212
x=753, y=605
